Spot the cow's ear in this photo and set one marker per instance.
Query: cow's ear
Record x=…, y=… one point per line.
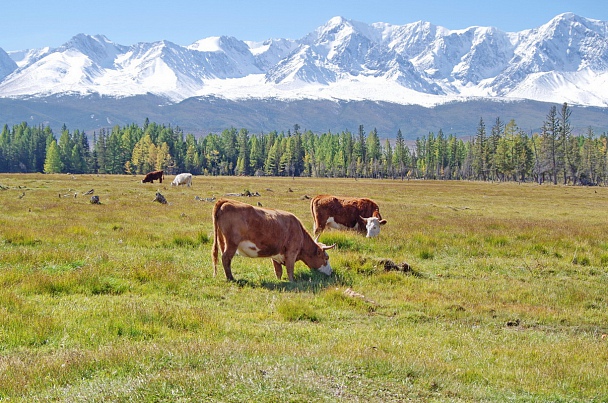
x=382, y=222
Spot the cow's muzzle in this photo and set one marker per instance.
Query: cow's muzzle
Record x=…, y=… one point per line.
x=325, y=269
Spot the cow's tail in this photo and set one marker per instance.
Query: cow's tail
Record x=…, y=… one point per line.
x=216, y=244
x=313, y=212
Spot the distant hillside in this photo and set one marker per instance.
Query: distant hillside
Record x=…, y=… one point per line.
x=211, y=114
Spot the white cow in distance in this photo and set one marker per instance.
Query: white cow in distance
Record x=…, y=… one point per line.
x=182, y=179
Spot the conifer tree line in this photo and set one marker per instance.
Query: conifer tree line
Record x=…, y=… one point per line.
x=500, y=152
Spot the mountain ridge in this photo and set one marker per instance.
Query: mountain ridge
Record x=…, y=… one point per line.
x=417, y=63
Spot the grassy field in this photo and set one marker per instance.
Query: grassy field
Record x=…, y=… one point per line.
x=505, y=298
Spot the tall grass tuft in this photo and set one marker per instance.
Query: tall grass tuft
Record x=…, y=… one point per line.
x=297, y=309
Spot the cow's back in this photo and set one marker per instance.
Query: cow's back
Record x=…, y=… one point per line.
x=239, y=221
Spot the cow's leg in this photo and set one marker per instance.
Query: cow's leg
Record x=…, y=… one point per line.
x=278, y=268
x=289, y=265
x=319, y=225
x=227, y=256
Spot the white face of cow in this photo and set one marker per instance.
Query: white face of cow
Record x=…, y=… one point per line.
x=372, y=224
x=325, y=268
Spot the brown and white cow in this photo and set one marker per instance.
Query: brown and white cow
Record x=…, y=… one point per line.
x=336, y=212
x=261, y=232
x=152, y=176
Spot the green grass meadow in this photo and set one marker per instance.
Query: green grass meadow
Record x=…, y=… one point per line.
x=499, y=294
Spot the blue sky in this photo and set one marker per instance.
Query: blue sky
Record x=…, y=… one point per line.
x=28, y=24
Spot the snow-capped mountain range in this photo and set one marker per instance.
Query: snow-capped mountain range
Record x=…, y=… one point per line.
x=564, y=60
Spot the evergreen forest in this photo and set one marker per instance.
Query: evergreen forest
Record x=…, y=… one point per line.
x=497, y=151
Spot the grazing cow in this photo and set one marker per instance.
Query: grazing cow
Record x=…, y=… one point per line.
x=336, y=212
x=152, y=176
x=261, y=232
x=182, y=179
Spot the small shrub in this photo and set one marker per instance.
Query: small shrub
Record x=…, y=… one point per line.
x=540, y=249
x=65, y=267
x=180, y=241
x=581, y=260
x=108, y=286
x=390, y=278
x=22, y=240
x=203, y=238
x=296, y=310
x=357, y=264
x=426, y=254
x=497, y=241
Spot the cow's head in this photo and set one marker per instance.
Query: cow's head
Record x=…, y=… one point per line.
x=321, y=259
x=372, y=224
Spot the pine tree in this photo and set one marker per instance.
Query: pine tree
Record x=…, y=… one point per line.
x=164, y=159
x=242, y=166
x=570, y=154
x=140, y=160
x=66, y=144
x=272, y=160
x=496, y=133
x=479, y=163
x=551, y=149
x=52, y=163
x=441, y=154
x=230, y=148
x=387, y=159
x=256, y=155
x=359, y=151
x=100, y=152
x=590, y=159
x=374, y=152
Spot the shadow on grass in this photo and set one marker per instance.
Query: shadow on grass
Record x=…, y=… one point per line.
x=303, y=282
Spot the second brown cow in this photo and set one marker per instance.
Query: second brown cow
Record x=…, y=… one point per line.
x=337, y=212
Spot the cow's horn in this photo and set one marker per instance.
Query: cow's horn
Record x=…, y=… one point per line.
x=325, y=247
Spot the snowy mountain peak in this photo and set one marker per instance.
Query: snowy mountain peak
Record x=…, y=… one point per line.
x=98, y=48
x=224, y=44
x=564, y=60
x=210, y=44
x=340, y=29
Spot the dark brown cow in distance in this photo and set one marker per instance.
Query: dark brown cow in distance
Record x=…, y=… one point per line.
x=261, y=232
x=152, y=176
x=337, y=212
